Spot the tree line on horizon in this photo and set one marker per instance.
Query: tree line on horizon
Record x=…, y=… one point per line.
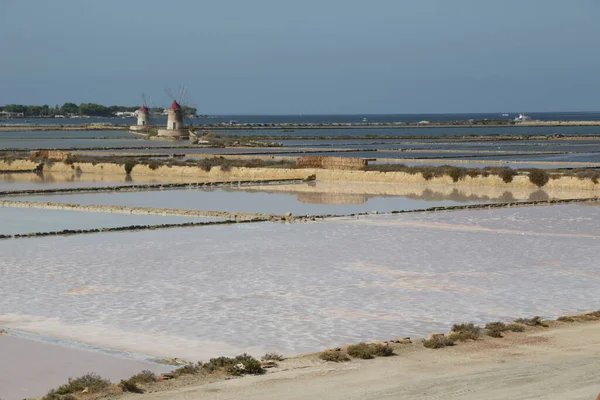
x=87, y=109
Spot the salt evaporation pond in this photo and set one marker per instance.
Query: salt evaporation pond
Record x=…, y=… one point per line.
x=255, y=200
x=28, y=220
x=199, y=292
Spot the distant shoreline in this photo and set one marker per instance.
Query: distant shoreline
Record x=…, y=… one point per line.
x=305, y=126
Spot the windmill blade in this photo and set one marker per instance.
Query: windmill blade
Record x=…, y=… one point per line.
x=170, y=94
x=182, y=94
x=148, y=104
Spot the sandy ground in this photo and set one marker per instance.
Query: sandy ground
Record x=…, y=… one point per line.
x=555, y=364
x=30, y=368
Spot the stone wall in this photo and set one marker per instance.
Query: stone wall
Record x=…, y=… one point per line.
x=344, y=163
x=50, y=155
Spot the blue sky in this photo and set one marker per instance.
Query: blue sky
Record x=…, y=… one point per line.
x=310, y=56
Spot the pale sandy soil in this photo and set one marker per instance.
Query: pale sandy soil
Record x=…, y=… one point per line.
x=562, y=363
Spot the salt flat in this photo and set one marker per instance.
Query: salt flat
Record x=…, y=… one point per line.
x=195, y=293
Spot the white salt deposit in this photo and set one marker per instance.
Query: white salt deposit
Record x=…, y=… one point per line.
x=194, y=293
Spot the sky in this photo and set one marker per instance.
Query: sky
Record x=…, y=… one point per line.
x=305, y=57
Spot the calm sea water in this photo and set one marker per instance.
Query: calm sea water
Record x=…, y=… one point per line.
x=548, y=116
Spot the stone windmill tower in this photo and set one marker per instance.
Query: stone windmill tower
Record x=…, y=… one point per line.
x=175, y=125
x=174, y=116
x=143, y=117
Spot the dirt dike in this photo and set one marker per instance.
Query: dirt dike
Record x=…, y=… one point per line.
x=282, y=173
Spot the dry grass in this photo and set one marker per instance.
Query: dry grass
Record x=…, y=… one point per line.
x=334, y=356
x=535, y=321
x=367, y=351
x=272, y=357
x=91, y=382
x=438, y=342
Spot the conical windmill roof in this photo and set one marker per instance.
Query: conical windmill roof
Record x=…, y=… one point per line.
x=175, y=105
x=144, y=109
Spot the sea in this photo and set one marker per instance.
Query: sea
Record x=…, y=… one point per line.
x=324, y=119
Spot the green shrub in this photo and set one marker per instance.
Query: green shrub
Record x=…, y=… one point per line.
x=130, y=387
x=465, y=331
x=535, y=321
x=367, y=351
x=240, y=365
x=143, y=377
x=334, y=356
x=94, y=383
x=438, y=341
x=456, y=173
x=52, y=395
x=129, y=166
x=272, y=357
x=463, y=336
x=507, y=174
x=495, y=334
x=515, y=328
x=188, y=369
x=538, y=177
x=466, y=328
x=565, y=319
x=593, y=175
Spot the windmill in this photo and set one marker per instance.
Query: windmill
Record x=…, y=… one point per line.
x=176, y=126
x=183, y=102
x=144, y=117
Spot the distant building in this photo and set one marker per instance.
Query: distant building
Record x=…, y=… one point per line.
x=8, y=114
x=127, y=114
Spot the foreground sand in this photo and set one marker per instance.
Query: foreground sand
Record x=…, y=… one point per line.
x=559, y=363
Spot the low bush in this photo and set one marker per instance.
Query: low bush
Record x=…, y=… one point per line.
x=495, y=334
x=129, y=166
x=272, y=357
x=507, y=174
x=94, y=383
x=188, y=369
x=535, y=321
x=143, y=377
x=438, y=341
x=514, y=328
x=130, y=387
x=334, y=356
x=465, y=331
x=538, y=177
x=593, y=175
x=240, y=365
x=565, y=319
x=367, y=351
x=466, y=328
x=456, y=173
x=463, y=336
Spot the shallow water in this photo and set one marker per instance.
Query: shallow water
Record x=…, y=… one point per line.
x=199, y=292
x=23, y=144
x=260, y=200
x=65, y=134
x=27, y=220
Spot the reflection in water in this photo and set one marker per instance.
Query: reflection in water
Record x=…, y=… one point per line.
x=324, y=192
x=332, y=198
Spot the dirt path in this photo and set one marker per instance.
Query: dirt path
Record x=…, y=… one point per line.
x=561, y=363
